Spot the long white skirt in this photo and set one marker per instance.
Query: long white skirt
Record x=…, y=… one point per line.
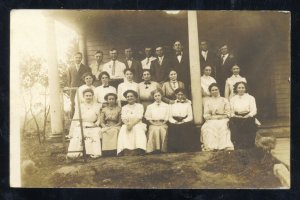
x=134, y=139
x=92, y=142
x=215, y=134
x=157, y=138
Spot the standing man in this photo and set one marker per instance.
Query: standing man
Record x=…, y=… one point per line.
x=146, y=63
x=182, y=66
x=161, y=66
x=114, y=68
x=134, y=65
x=74, y=74
x=207, y=58
x=226, y=61
x=97, y=67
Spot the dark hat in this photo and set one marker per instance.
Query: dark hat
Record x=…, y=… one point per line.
x=110, y=94
x=130, y=91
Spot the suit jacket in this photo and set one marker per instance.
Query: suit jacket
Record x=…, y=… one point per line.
x=223, y=71
x=74, y=76
x=211, y=60
x=182, y=68
x=160, y=73
x=137, y=69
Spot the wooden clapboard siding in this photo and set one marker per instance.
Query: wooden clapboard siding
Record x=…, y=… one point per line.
x=282, y=85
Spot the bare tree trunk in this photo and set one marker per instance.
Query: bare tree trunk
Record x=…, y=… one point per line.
x=25, y=117
x=34, y=118
x=45, y=121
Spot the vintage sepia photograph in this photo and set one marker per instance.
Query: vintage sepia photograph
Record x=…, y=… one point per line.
x=163, y=99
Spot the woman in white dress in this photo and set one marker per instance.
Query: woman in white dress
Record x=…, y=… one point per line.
x=206, y=81
x=104, y=88
x=132, y=136
x=90, y=112
x=157, y=114
x=229, y=93
x=128, y=84
x=243, y=111
x=88, y=78
x=145, y=89
x=215, y=134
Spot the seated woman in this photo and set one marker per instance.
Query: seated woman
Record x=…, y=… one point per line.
x=157, y=114
x=229, y=93
x=88, y=78
x=182, y=134
x=90, y=112
x=206, y=81
x=104, y=88
x=128, y=84
x=110, y=121
x=242, y=121
x=215, y=134
x=169, y=87
x=132, y=138
x=145, y=89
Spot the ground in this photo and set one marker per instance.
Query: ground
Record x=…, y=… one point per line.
x=235, y=169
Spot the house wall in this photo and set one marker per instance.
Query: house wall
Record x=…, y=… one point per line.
x=260, y=42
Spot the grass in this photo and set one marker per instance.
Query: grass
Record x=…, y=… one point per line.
x=235, y=169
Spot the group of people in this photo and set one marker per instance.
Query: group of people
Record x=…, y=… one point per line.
x=136, y=107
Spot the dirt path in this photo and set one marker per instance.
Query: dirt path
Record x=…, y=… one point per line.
x=237, y=169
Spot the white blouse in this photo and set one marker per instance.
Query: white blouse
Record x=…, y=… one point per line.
x=181, y=110
x=230, y=83
x=123, y=87
x=101, y=91
x=134, y=111
x=89, y=113
x=206, y=81
x=157, y=111
x=243, y=104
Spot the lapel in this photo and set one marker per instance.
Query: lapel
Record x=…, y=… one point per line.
x=81, y=68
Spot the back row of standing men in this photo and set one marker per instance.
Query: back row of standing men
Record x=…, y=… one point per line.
x=159, y=66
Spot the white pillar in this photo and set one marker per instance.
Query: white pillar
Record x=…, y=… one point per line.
x=195, y=66
x=54, y=88
x=82, y=47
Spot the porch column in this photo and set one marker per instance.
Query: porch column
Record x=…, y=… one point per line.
x=82, y=47
x=195, y=66
x=54, y=89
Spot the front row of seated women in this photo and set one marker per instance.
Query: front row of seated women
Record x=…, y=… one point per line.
x=163, y=127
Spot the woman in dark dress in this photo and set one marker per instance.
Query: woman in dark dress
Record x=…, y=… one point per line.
x=242, y=121
x=182, y=136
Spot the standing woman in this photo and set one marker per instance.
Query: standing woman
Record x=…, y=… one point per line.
x=145, y=89
x=233, y=80
x=104, y=88
x=157, y=114
x=90, y=112
x=128, y=84
x=242, y=121
x=110, y=121
x=215, y=134
x=88, y=78
x=169, y=87
x=206, y=81
x=182, y=134
x=132, y=137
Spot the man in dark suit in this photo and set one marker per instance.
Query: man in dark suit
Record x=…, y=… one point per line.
x=161, y=66
x=134, y=65
x=181, y=64
x=207, y=58
x=74, y=74
x=226, y=61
